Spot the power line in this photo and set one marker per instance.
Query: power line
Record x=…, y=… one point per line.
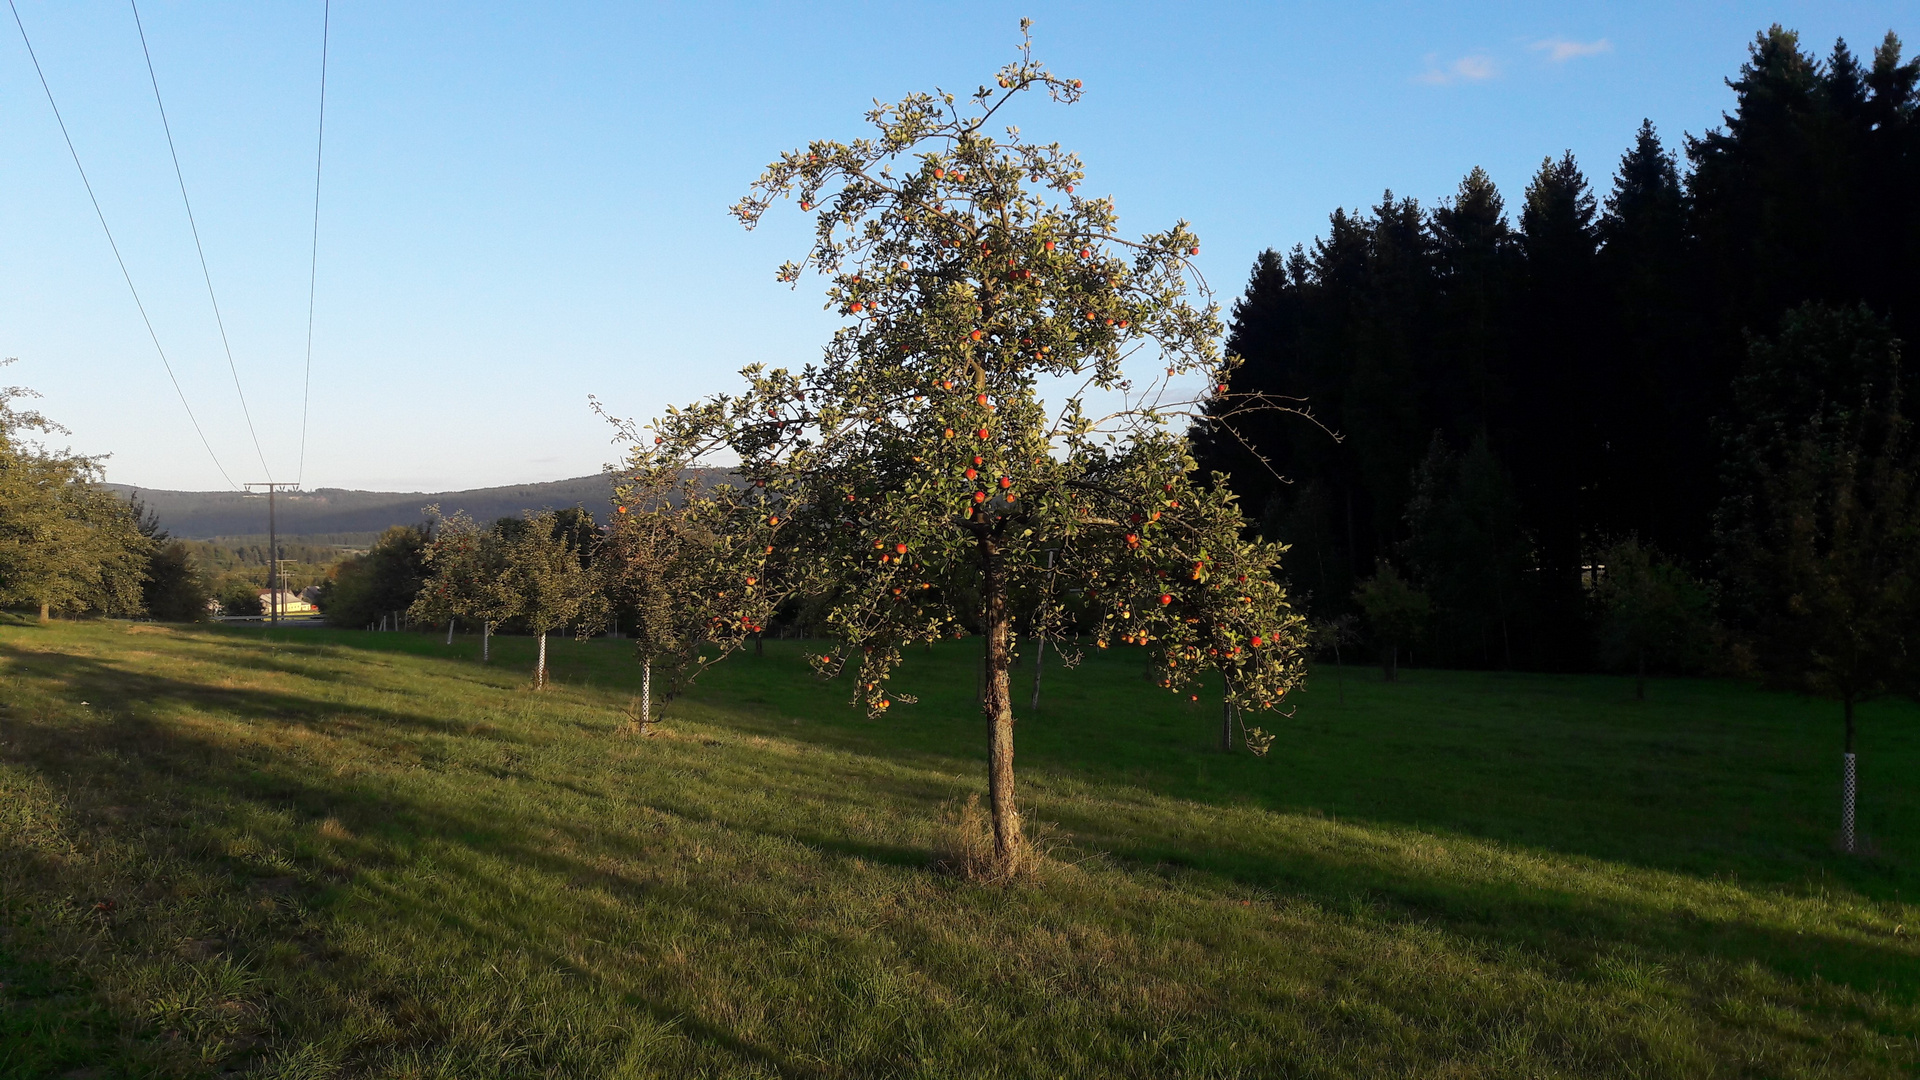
x=115, y=246
x=313, y=263
x=204, y=272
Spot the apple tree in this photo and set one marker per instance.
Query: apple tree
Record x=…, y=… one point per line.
x=984, y=404
x=464, y=561
x=671, y=562
x=545, y=580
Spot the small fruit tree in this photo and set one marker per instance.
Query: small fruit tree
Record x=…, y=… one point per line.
x=546, y=581
x=915, y=478
x=465, y=562
x=1396, y=613
x=1820, y=529
x=674, y=568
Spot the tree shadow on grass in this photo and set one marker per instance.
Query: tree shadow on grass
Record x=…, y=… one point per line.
x=138, y=751
x=1575, y=925
x=158, y=790
x=1576, y=911
x=1537, y=761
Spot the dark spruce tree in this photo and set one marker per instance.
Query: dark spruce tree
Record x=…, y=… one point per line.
x=1259, y=449
x=1476, y=268
x=1653, y=409
x=1551, y=431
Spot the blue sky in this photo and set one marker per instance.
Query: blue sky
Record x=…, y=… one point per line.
x=524, y=205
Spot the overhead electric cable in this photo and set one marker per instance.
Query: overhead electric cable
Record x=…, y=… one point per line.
x=193, y=225
x=313, y=262
x=115, y=246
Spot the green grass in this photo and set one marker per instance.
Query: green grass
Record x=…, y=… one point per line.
x=318, y=854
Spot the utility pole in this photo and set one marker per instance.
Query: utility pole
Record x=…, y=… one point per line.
x=273, y=547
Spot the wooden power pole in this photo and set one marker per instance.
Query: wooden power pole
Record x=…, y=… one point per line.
x=273, y=547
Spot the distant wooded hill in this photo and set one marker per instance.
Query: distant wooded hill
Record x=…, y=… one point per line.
x=343, y=516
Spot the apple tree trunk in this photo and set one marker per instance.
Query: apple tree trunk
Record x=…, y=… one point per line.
x=997, y=706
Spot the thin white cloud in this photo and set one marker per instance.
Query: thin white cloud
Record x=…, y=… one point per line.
x=1560, y=50
x=1476, y=68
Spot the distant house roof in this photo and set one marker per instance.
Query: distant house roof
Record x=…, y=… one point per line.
x=289, y=601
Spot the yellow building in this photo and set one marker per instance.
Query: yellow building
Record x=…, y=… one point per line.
x=291, y=603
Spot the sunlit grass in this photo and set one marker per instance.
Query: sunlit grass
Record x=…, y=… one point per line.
x=324, y=854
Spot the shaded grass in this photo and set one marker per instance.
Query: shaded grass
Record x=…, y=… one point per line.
x=320, y=853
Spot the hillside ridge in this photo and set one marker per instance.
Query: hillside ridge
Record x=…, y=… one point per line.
x=204, y=515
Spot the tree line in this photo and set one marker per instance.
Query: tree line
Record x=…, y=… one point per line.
x=1513, y=405
x=70, y=546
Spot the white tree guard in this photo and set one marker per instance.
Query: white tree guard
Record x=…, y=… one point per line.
x=1849, y=796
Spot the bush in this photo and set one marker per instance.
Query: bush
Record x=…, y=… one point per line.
x=241, y=598
x=384, y=581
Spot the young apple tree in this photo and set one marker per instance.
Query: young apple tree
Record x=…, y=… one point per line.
x=1820, y=532
x=465, y=562
x=674, y=566
x=977, y=410
x=545, y=580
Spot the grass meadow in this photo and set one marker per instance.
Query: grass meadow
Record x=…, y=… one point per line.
x=313, y=854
